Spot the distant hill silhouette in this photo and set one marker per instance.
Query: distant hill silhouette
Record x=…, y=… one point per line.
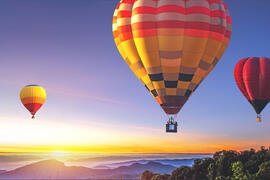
x=2, y=171
x=172, y=162
x=53, y=169
x=132, y=158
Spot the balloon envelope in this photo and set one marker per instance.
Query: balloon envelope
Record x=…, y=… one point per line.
x=171, y=45
x=252, y=76
x=33, y=97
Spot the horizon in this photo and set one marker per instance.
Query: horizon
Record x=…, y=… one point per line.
x=11, y=161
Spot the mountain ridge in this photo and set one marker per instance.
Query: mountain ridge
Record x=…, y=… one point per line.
x=172, y=162
x=54, y=169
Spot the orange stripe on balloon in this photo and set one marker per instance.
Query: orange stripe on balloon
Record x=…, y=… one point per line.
x=197, y=33
x=170, y=32
x=114, y=20
x=145, y=33
x=125, y=36
x=204, y=34
x=115, y=34
x=158, y=99
x=33, y=100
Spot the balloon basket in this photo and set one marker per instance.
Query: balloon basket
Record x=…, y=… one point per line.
x=258, y=119
x=171, y=126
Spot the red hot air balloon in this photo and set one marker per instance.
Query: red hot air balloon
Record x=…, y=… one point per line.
x=252, y=76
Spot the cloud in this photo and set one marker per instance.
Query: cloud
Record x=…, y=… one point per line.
x=69, y=92
x=81, y=94
x=18, y=157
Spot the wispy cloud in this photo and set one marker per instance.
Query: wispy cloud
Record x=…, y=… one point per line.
x=84, y=95
x=70, y=92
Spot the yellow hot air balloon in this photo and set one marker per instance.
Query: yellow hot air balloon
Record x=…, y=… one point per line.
x=33, y=97
x=171, y=45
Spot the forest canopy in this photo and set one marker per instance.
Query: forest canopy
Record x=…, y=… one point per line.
x=225, y=165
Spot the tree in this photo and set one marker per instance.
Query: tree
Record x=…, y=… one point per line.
x=264, y=171
x=252, y=165
x=239, y=172
x=160, y=177
x=182, y=173
x=224, y=161
x=212, y=168
x=200, y=168
x=221, y=178
x=225, y=165
x=147, y=175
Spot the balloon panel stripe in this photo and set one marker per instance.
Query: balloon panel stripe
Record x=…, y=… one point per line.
x=33, y=100
x=33, y=107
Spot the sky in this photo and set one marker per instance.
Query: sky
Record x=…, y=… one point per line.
x=96, y=104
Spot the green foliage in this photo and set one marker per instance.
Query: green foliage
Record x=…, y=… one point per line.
x=160, y=177
x=147, y=175
x=264, y=171
x=253, y=163
x=200, y=168
x=181, y=173
x=225, y=165
x=239, y=172
x=221, y=178
x=223, y=162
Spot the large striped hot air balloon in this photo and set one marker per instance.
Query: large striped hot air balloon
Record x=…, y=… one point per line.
x=171, y=45
x=252, y=76
x=33, y=97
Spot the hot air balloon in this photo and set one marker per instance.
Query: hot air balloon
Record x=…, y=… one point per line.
x=33, y=97
x=252, y=76
x=171, y=45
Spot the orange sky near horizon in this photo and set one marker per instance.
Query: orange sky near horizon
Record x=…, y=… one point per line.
x=96, y=137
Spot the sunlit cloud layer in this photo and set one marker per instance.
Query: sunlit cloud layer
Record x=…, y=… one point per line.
x=41, y=136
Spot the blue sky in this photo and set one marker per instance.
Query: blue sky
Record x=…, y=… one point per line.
x=68, y=48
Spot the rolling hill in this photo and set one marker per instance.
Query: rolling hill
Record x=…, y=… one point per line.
x=53, y=169
x=172, y=162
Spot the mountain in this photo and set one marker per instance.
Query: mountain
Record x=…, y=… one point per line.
x=172, y=162
x=151, y=166
x=2, y=171
x=47, y=169
x=53, y=169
